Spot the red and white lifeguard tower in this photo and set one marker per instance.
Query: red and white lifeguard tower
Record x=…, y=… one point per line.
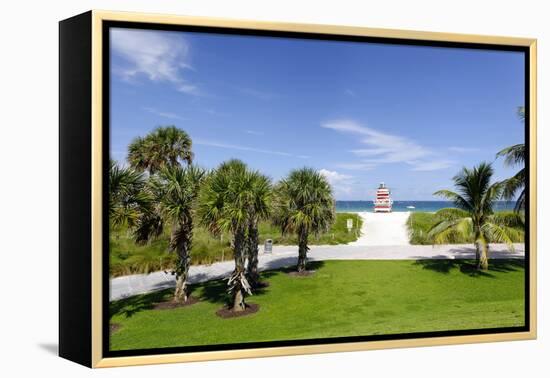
x=383, y=201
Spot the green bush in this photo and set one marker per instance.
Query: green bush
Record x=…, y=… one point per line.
x=419, y=225
x=338, y=234
x=128, y=258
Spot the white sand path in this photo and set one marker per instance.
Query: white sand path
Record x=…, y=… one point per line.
x=383, y=229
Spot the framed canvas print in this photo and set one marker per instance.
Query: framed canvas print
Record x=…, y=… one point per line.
x=235, y=189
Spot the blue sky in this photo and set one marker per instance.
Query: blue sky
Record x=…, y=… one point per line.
x=359, y=113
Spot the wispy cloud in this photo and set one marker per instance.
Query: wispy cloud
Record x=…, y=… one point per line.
x=341, y=183
x=253, y=132
x=155, y=55
x=259, y=94
x=211, y=143
x=215, y=112
x=356, y=166
x=463, y=149
x=435, y=165
x=164, y=114
x=349, y=92
x=384, y=148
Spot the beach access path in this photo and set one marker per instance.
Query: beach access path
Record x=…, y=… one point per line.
x=283, y=256
x=383, y=229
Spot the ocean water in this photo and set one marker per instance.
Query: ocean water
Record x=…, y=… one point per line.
x=427, y=206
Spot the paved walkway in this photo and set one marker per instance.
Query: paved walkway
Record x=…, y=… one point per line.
x=122, y=287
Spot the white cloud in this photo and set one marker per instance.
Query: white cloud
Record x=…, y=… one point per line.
x=159, y=56
x=333, y=176
x=432, y=165
x=341, y=183
x=384, y=148
x=164, y=114
x=210, y=143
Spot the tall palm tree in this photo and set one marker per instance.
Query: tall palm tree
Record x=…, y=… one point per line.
x=474, y=218
x=126, y=195
x=175, y=191
x=259, y=209
x=224, y=206
x=515, y=156
x=164, y=146
x=304, y=204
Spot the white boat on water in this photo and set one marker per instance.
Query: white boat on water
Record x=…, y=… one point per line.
x=411, y=207
x=383, y=201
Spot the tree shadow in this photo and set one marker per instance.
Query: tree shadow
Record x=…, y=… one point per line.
x=469, y=267
x=214, y=291
x=132, y=305
x=507, y=265
x=311, y=266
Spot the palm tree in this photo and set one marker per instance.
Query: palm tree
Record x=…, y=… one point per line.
x=175, y=191
x=474, y=218
x=126, y=195
x=304, y=204
x=164, y=146
x=514, y=156
x=259, y=209
x=224, y=206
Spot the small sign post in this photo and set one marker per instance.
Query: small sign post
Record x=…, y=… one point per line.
x=349, y=224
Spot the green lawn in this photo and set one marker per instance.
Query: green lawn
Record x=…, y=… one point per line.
x=128, y=258
x=343, y=298
x=420, y=223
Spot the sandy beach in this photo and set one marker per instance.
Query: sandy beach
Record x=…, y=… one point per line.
x=383, y=229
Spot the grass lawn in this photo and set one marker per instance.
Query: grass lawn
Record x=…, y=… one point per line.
x=128, y=258
x=343, y=298
x=420, y=223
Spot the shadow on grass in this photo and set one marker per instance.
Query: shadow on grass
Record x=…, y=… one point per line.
x=216, y=291
x=311, y=265
x=132, y=305
x=469, y=267
x=212, y=291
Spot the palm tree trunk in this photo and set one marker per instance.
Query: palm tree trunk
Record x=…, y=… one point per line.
x=236, y=281
x=484, y=259
x=181, y=289
x=477, y=253
x=252, y=267
x=183, y=247
x=302, y=250
x=477, y=243
x=238, y=301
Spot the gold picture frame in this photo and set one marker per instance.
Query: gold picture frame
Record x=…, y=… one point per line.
x=93, y=25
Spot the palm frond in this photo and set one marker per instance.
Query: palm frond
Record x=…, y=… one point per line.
x=513, y=155
x=456, y=198
x=451, y=213
x=304, y=201
x=508, y=219
x=449, y=230
x=501, y=234
x=164, y=146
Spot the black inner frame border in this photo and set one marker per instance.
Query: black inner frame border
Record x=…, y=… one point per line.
x=107, y=25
